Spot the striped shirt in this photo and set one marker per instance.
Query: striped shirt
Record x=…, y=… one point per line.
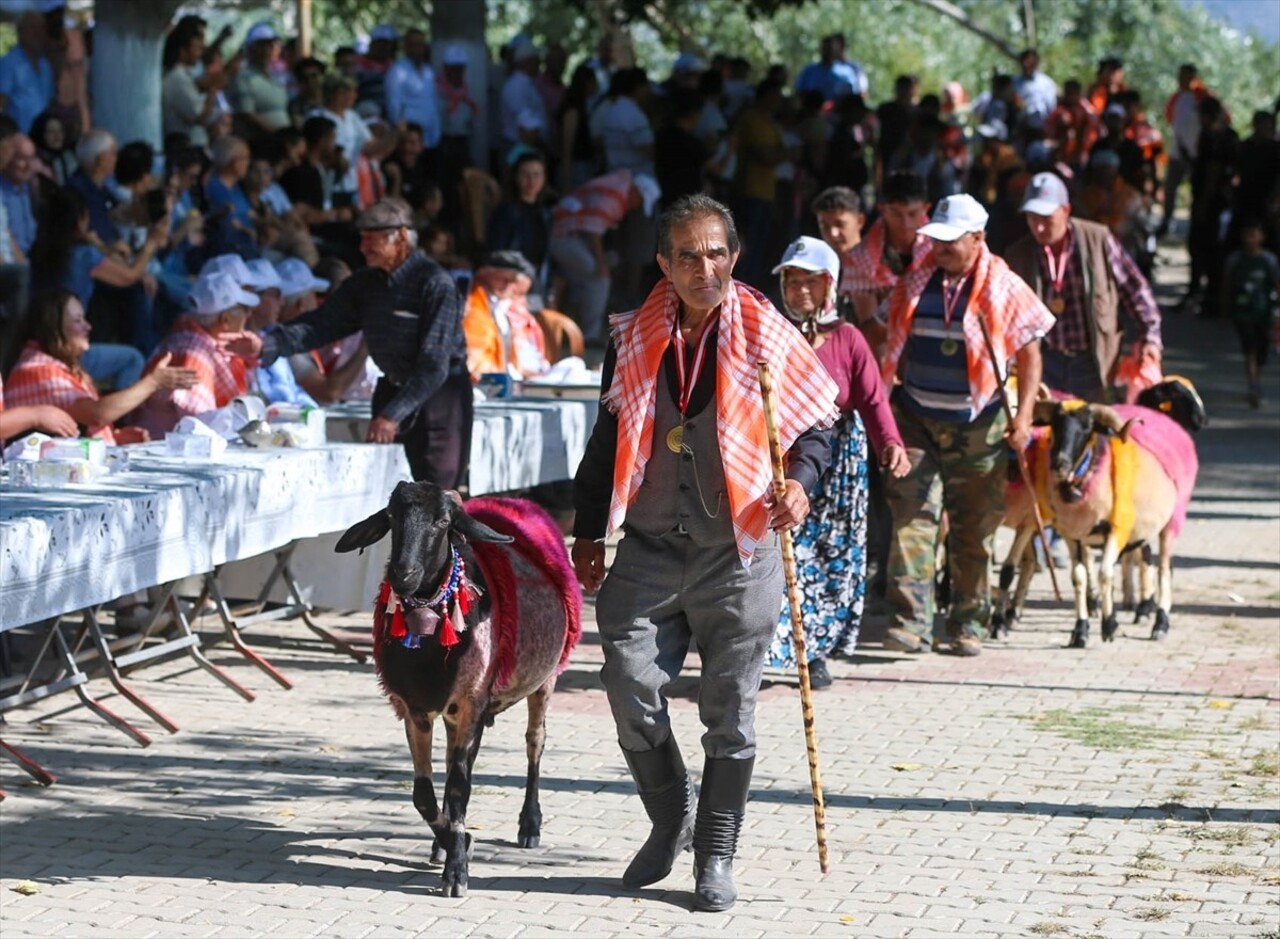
x=593, y=208
x=935, y=373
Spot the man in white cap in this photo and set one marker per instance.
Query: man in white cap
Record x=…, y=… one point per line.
x=1085, y=279
x=255, y=93
x=948, y=408
x=520, y=92
x=578, y=226
x=411, y=94
x=220, y=308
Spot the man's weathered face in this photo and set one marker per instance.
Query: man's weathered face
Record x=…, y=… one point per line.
x=956, y=257
x=840, y=228
x=385, y=248
x=22, y=164
x=701, y=263
x=1049, y=229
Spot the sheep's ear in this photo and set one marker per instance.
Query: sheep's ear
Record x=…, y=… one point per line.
x=472, y=530
x=364, y=533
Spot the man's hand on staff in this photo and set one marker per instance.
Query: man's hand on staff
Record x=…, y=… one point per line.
x=1019, y=433
x=382, y=430
x=789, y=511
x=588, y=562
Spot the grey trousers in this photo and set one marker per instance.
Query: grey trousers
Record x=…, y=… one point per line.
x=660, y=594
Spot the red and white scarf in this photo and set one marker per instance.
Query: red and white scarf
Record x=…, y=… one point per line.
x=748, y=331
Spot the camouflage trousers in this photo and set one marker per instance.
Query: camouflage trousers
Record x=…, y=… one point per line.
x=959, y=469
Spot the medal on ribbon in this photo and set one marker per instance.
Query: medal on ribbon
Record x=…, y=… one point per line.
x=1056, y=262
x=1057, y=305
x=675, y=438
x=950, y=347
x=687, y=378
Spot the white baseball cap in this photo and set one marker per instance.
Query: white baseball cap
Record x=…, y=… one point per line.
x=263, y=276
x=231, y=264
x=1045, y=195
x=260, y=32
x=454, y=55
x=955, y=216
x=218, y=292
x=296, y=278
x=384, y=31
x=810, y=254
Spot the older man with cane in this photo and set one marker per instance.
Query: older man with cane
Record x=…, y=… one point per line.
x=679, y=460
x=948, y=407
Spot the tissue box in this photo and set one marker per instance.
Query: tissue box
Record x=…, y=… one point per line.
x=92, y=449
x=26, y=447
x=200, y=446
x=53, y=474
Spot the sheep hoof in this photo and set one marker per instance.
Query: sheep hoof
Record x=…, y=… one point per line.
x=438, y=853
x=1161, y=628
x=529, y=841
x=1109, y=628
x=1145, y=609
x=1092, y=605
x=1079, y=635
x=998, y=627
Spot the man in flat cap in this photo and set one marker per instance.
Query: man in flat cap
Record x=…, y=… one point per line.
x=411, y=314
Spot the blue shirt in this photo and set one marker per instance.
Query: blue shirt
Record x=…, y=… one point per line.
x=411, y=96
x=29, y=88
x=22, y=218
x=78, y=277
x=101, y=201
x=218, y=194
x=935, y=372
x=279, y=385
x=833, y=81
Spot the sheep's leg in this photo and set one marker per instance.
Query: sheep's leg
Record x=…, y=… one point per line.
x=1080, y=583
x=1147, y=586
x=1026, y=570
x=1106, y=587
x=467, y=730
x=1164, y=603
x=1003, y=611
x=418, y=733
x=1091, y=579
x=530, y=832
x=1126, y=579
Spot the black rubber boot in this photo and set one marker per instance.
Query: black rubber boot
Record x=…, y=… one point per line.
x=667, y=794
x=721, y=807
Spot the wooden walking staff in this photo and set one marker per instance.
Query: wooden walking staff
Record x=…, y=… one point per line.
x=797, y=620
x=1023, y=471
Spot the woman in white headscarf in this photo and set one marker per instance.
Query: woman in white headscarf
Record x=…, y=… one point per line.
x=831, y=544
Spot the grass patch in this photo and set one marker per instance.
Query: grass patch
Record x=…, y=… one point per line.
x=1049, y=928
x=1098, y=728
x=1237, y=836
x=1257, y=722
x=1226, y=870
x=1266, y=763
x=1152, y=914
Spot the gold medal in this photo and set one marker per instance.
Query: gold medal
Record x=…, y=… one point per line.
x=1057, y=305
x=675, y=438
x=950, y=347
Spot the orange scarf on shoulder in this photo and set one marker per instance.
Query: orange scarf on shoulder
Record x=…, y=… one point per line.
x=748, y=331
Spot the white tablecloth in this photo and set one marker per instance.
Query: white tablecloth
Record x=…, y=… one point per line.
x=165, y=519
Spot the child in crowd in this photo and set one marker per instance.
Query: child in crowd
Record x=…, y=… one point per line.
x=1251, y=296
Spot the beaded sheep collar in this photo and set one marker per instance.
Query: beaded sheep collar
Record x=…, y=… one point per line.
x=412, y=618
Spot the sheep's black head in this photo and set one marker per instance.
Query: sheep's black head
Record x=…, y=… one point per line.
x=423, y=520
x=1079, y=439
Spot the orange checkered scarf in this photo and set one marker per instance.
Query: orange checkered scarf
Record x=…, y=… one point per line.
x=222, y=375
x=748, y=331
x=862, y=268
x=38, y=378
x=1013, y=313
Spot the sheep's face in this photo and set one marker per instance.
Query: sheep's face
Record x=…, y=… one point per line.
x=1074, y=440
x=421, y=516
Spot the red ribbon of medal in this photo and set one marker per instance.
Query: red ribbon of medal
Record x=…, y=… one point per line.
x=951, y=297
x=1057, y=265
x=688, y=376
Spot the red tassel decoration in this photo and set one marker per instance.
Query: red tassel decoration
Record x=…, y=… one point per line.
x=380, y=610
x=448, y=632
x=398, y=628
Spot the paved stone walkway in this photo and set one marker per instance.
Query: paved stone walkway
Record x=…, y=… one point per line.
x=1126, y=790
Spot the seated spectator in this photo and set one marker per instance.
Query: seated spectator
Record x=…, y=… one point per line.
x=96, y=153
x=308, y=74
x=521, y=222
x=66, y=254
x=50, y=371
x=53, y=148
x=26, y=75
x=439, y=244
x=331, y=373
x=45, y=418
x=221, y=309
x=275, y=382
x=308, y=186
x=579, y=224
x=405, y=170
x=230, y=224
x=502, y=335
x=279, y=229
x=16, y=177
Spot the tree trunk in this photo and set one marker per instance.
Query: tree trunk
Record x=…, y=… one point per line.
x=461, y=23
x=128, y=39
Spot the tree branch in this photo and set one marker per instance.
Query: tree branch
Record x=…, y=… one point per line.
x=953, y=12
